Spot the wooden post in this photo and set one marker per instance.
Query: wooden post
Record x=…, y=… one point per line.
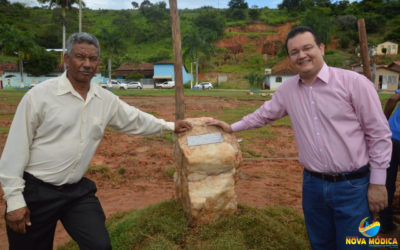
x=176, y=37
x=362, y=34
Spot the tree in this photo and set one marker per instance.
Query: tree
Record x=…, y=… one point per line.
x=41, y=62
x=135, y=5
x=111, y=43
x=16, y=41
x=211, y=24
x=63, y=4
x=318, y=19
x=238, y=4
x=4, y=2
x=195, y=44
x=255, y=79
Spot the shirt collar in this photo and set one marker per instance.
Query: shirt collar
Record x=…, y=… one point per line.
x=323, y=75
x=65, y=87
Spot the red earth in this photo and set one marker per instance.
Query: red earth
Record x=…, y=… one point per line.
x=139, y=167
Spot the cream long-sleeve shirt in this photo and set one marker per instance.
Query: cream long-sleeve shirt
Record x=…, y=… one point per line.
x=55, y=133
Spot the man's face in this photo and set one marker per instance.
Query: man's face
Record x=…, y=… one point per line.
x=82, y=62
x=305, y=55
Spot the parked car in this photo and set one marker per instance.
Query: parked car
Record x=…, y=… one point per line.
x=134, y=85
x=204, y=85
x=166, y=85
x=115, y=85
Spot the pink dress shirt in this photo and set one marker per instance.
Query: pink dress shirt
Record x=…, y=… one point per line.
x=337, y=121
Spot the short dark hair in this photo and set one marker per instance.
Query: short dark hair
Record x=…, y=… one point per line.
x=82, y=37
x=300, y=30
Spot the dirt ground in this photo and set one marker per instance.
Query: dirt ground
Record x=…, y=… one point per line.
x=139, y=166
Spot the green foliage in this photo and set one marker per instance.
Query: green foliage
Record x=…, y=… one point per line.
x=255, y=79
x=41, y=62
x=164, y=226
x=238, y=4
x=318, y=19
x=169, y=172
x=210, y=24
x=135, y=76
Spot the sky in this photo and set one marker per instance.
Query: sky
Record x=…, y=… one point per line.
x=182, y=4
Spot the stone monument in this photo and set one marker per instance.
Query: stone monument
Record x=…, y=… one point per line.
x=207, y=159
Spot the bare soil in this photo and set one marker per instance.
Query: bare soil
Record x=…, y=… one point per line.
x=139, y=165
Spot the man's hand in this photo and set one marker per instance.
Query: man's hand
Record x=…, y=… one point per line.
x=182, y=126
x=377, y=197
x=225, y=126
x=18, y=219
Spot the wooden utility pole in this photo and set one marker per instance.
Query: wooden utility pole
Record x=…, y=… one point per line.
x=176, y=37
x=362, y=34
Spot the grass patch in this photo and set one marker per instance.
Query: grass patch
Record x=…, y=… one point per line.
x=93, y=169
x=168, y=136
x=164, y=226
x=4, y=130
x=169, y=172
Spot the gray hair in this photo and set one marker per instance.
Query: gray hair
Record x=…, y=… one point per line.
x=82, y=37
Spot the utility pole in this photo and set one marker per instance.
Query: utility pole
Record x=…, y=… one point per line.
x=80, y=15
x=176, y=37
x=362, y=34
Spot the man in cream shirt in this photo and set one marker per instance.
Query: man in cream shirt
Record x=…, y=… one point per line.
x=55, y=132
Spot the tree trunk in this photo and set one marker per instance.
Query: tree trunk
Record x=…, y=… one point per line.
x=21, y=68
x=109, y=67
x=63, y=35
x=197, y=70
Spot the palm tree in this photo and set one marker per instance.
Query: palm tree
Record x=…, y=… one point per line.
x=196, y=44
x=111, y=43
x=63, y=4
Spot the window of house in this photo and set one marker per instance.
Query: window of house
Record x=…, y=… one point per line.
x=278, y=79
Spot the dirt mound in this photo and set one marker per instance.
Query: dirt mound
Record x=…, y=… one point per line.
x=268, y=43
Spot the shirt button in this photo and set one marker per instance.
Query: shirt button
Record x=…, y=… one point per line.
x=312, y=102
x=315, y=118
x=317, y=133
x=320, y=150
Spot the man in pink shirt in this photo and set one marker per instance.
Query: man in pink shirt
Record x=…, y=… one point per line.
x=342, y=136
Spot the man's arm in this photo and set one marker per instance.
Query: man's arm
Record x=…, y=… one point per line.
x=14, y=159
x=378, y=139
x=266, y=114
x=391, y=104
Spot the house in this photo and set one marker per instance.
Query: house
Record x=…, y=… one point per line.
x=395, y=66
x=11, y=77
x=164, y=71
x=275, y=79
x=386, y=78
x=145, y=69
x=372, y=50
x=387, y=48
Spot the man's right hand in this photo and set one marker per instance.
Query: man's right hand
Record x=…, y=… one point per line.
x=18, y=219
x=225, y=126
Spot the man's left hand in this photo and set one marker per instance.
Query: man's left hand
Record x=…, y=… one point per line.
x=377, y=197
x=182, y=126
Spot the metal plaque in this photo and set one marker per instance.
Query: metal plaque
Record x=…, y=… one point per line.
x=204, y=139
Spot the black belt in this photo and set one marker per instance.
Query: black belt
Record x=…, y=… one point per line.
x=363, y=171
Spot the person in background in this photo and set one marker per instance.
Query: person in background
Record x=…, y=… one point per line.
x=342, y=137
x=54, y=135
x=386, y=215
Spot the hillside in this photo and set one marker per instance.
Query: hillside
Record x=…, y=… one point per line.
x=229, y=41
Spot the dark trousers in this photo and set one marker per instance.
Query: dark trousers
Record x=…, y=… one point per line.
x=75, y=205
x=386, y=215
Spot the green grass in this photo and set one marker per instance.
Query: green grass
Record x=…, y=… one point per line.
x=4, y=130
x=164, y=226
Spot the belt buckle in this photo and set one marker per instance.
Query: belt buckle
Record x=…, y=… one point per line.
x=335, y=177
